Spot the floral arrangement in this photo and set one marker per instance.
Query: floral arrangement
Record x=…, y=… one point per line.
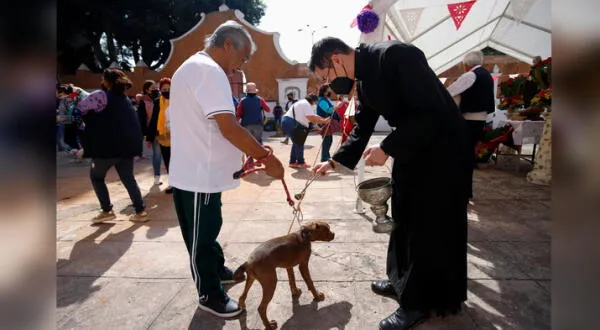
x=513, y=86
x=541, y=73
x=543, y=98
x=511, y=102
x=492, y=138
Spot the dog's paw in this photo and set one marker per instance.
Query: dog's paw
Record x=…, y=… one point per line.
x=272, y=325
x=296, y=293
x=319, y=297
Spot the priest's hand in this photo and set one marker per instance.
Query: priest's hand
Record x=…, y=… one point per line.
x=375, y=156
x=321, y=168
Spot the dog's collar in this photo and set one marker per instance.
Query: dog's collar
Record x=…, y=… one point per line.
x=305, y=234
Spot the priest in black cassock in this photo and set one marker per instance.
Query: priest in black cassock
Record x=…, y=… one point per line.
x=427, y=252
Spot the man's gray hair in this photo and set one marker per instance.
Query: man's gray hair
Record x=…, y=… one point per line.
x=474, y=58
x=233, y=30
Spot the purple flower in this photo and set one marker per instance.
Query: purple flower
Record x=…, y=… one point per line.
x=367, y=21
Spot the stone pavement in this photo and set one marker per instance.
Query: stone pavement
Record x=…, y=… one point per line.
x=123, y=275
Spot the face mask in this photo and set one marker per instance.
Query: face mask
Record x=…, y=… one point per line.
x=165, y=94
x=341, y=85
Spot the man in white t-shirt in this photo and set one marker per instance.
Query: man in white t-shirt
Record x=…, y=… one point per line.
x=206, y=147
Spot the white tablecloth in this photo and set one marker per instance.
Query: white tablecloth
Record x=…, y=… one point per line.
x=526, y=131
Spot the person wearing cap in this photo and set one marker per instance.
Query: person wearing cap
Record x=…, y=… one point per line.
x=250, y=111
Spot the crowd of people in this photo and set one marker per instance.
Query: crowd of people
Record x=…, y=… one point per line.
x=192, y=122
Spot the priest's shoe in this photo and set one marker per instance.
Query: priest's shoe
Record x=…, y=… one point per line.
x=402, y=320
x=384, y=288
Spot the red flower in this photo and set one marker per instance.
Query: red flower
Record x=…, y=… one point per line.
x=547, y=61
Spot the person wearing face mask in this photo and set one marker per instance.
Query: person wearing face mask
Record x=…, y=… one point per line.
x=290, y=101
x=112, y=139
x=326, y=109
x=427, y=251
x=145, y=110
x=158, y=131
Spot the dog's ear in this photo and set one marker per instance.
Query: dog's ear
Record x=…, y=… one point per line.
x=307, y=230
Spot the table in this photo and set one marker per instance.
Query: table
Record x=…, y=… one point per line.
x=525, y=132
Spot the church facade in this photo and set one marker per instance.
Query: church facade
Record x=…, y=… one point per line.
x=274, y=74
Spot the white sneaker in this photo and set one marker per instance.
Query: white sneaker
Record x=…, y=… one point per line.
x=157, y=180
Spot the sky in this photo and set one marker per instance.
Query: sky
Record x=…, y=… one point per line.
x=287, y=16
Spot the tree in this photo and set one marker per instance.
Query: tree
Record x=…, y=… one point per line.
x=99, y=32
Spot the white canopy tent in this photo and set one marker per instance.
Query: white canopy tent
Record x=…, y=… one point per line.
x=519, y=28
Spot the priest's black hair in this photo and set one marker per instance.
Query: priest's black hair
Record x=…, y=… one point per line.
x=320, y=57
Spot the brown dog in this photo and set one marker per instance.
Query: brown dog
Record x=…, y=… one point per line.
x=283, y=252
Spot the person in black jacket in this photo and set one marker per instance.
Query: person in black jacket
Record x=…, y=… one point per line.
x=145, y=111
x=112, y=138
x=158, y=132
x=427, y=251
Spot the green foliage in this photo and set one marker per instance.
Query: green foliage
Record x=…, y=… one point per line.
x=99, y=32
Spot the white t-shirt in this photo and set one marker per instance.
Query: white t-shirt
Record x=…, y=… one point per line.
x=303, y=109
x=202, y=159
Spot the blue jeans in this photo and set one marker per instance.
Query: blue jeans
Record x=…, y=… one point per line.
x=156, y=157
x=297, y=153
x=60, y=129
x=327, y=141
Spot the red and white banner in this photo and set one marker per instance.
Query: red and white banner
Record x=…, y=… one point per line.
x=459, y=11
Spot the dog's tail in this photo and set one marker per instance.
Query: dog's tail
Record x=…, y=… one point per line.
x=238, y=275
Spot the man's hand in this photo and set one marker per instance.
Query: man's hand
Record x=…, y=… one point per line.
x=375, y=156
x=273, y=167
x=321, y=169
x=241, y=139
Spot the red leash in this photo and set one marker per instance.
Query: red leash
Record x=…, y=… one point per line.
x=251, y=165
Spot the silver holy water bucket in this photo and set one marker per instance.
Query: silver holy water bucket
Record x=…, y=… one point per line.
x=376, y=193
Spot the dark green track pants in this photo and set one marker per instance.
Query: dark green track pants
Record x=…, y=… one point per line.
x=200, y=221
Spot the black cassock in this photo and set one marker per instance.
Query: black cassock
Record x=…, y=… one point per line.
x=427, y=253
